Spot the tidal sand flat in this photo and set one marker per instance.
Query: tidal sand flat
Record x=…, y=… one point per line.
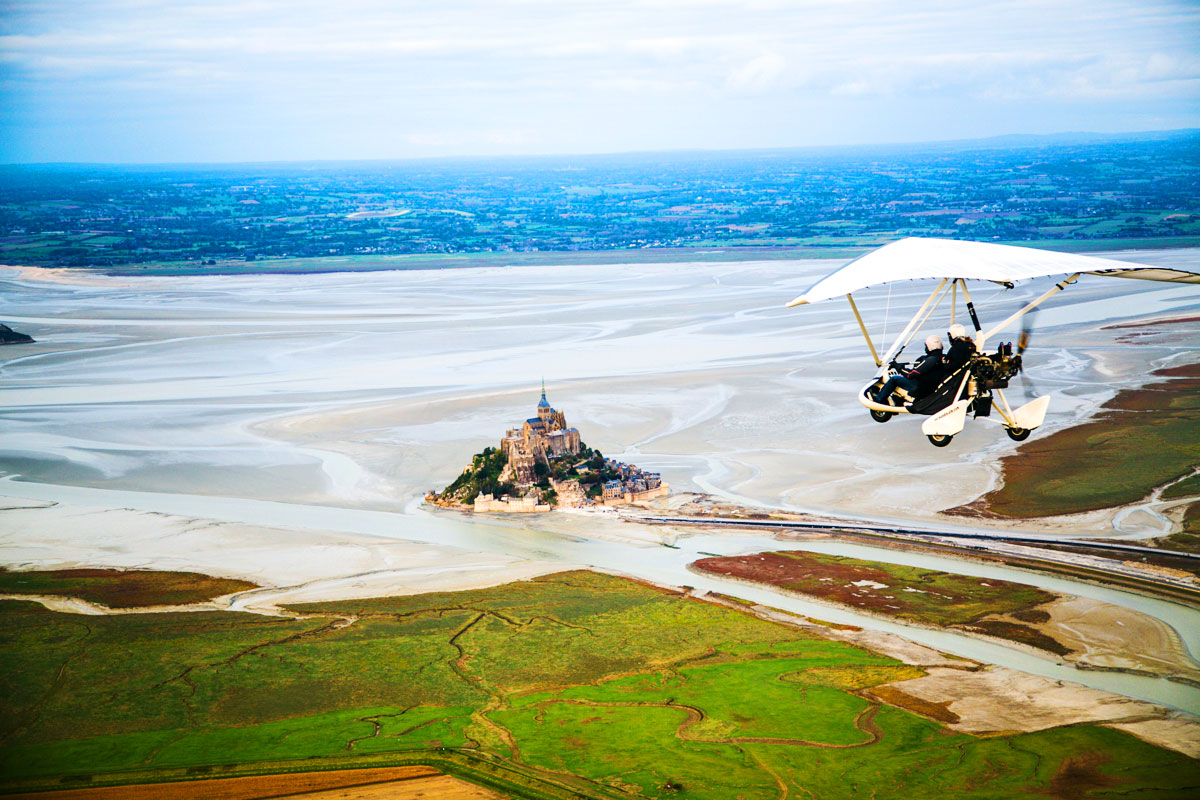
x=368, y=390
x=364, y=391
x=284, y=563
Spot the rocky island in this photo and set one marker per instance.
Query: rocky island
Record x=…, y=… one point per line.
x=9, y=336
x=544, y=465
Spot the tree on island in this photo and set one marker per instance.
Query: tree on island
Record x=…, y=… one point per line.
x=482, y=476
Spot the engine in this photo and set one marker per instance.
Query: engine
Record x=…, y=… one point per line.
x=993, y=370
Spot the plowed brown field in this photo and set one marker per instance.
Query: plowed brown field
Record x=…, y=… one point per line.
x=394, y=783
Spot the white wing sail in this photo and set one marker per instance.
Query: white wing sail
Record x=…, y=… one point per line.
x=916, y=258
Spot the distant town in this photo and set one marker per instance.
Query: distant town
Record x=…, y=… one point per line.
x=544, y=465
x=1133, y=190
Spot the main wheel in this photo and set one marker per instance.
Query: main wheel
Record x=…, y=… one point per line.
x=881, y=416
x=1018, y=434
x=940, y=441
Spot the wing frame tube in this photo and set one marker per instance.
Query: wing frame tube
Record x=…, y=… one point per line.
x=970, y=307
x=863, y=328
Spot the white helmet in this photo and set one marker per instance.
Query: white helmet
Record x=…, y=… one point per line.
x=957, y=331
x=932, y=343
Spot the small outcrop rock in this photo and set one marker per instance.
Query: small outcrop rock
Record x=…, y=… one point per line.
x=9, y=336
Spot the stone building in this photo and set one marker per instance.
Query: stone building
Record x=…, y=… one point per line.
x=510, y=505
x=632, y=486
x=538, y=440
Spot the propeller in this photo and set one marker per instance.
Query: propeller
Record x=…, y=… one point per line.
x=1022, y=343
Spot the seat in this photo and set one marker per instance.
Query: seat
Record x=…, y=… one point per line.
x=945, y=393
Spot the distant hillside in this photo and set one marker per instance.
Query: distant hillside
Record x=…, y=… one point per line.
x=1064, y=190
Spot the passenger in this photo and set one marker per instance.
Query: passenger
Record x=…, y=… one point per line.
x=962, y=347
x=922, y=378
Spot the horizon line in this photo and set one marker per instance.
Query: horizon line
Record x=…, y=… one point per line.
x=1032, y=138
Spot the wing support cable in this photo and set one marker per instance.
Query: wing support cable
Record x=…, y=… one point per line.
x=914, y=325
x=887, y=312
x=863, y=328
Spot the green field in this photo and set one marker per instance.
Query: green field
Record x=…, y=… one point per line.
x=585, y=683
x=1189, y=538
x=910, y=593
x=1188, y=487
x=1144, y=439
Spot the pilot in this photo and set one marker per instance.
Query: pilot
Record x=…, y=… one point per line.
x=962, y=347
x=922, y=378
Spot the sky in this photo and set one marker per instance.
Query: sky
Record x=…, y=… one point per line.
x=261, y=80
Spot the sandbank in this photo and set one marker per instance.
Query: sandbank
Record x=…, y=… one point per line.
x=72, y=276
x=999, y=700
x=1106, y=636
x=292, y=565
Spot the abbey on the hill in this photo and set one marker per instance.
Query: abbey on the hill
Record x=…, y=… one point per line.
x=540, y=439
x=543, y=465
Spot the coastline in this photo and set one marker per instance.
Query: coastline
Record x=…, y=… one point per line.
x=318, y=265
x=68, y=276
x=365, y=401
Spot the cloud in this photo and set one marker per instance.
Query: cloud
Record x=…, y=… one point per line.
x=758, y=74
x=451, y=140
x=634, y=71
x=666, y=48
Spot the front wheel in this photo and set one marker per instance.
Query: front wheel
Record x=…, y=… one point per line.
x=940, y=441
x=1018, y=434
x=881, y=416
